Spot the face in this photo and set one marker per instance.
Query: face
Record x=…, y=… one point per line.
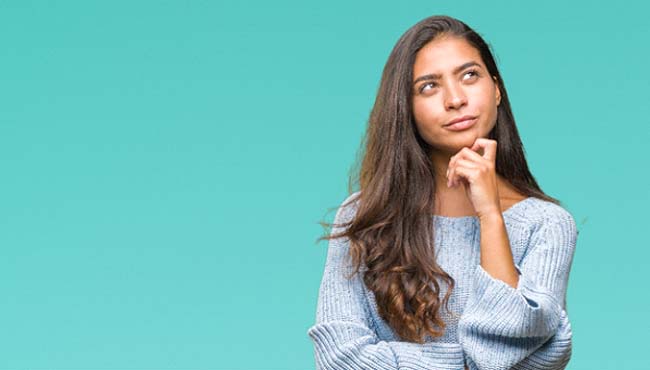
x=463, y=87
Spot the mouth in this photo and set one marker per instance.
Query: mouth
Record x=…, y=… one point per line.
x=459, y=119
x=461, y=125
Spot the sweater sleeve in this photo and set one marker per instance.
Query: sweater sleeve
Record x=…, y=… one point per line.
x=343, y=335
x=554, y=354
x=524, y=327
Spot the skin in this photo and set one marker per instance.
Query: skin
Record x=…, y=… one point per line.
x=471, y=186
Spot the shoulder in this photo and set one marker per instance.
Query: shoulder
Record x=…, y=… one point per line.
x=543, y=216
x=345, y=213
x=544, y=211
x=347, y=209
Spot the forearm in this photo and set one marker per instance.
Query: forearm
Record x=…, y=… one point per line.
x=496, y=256
x=525, y=326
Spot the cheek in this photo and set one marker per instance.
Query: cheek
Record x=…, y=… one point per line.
x=488, y=97
x=422, y=113
x=417, y=111
x=422, y=118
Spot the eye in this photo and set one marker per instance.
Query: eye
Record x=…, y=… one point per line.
x=475, y=72
x=432, y=84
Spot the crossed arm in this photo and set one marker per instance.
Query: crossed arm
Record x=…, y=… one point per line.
x=502, y=327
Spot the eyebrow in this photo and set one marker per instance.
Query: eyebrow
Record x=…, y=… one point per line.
x=434, y=76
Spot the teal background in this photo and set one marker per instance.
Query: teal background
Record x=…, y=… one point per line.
x=164, y=166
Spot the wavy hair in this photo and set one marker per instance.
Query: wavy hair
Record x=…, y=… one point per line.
x=391, y=232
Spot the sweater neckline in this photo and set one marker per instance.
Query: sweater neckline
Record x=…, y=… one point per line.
x=473, y=219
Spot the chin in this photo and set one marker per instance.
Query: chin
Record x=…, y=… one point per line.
x=466, y=138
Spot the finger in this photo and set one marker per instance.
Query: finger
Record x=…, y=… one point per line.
x=450, y=173
x=466, y=173
x=450, y=170
x=462, y=164
x=489, y=148
x=472, y=154
x=452, y=164
x=464, y=153
x=476, y=146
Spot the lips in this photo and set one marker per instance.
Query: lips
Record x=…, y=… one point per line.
x=459, y=119
x=461, y=125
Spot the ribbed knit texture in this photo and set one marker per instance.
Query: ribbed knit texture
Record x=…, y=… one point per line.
x=495, y=326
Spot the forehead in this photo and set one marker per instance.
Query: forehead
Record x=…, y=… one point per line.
x=442, y=55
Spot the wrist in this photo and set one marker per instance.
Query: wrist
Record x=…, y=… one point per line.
x=491, y=217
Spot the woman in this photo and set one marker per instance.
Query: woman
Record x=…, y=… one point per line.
x=447, y=213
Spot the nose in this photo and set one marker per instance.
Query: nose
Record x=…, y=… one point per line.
x=455, y=97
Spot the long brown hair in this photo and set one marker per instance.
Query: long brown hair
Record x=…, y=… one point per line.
x=391, y=232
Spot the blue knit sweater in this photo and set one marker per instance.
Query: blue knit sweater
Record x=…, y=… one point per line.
x=496, y=326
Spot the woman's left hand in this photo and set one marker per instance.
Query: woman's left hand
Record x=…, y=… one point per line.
x=477, y=174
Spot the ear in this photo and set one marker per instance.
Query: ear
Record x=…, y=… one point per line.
x=498, y=91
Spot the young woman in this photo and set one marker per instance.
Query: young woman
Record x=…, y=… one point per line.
x=448, y=214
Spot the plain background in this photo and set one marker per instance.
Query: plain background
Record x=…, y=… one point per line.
x=164, y=166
